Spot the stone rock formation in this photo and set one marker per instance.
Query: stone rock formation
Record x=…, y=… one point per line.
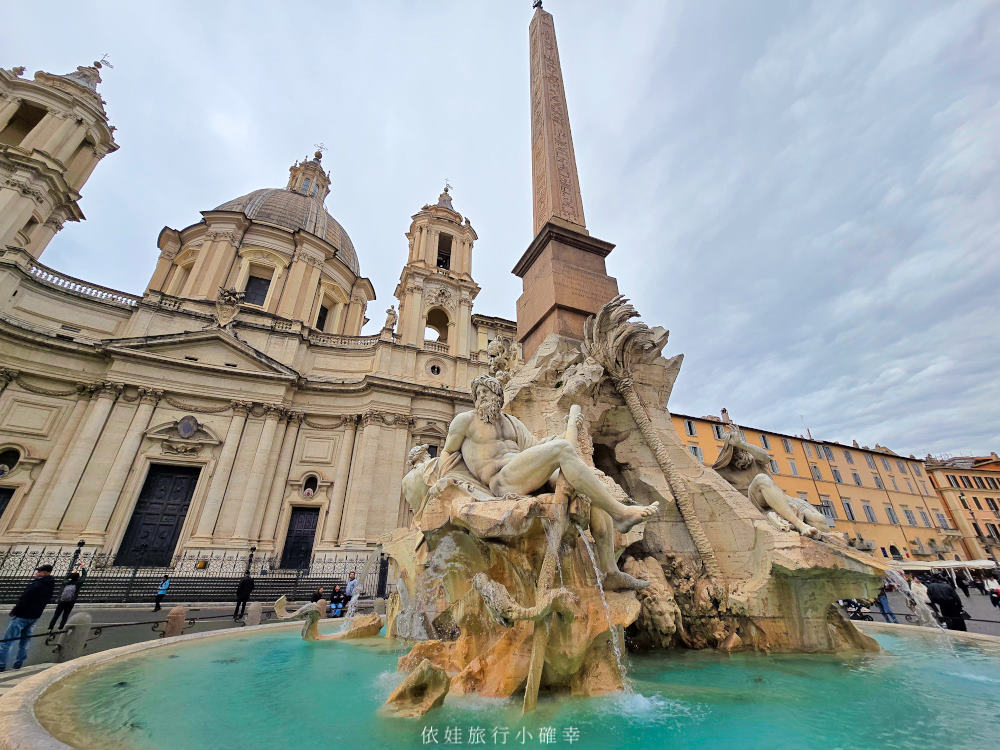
x=423, y=689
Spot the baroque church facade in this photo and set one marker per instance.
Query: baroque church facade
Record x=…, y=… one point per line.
x=235, y=403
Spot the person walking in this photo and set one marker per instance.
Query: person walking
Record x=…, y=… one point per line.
x=947, y=602
x=67, y=600
x=161, y=592
x=26, y=612
x=882, y=600
x=243, y=590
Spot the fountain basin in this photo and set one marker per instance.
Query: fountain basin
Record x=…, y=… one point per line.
x=264, y=685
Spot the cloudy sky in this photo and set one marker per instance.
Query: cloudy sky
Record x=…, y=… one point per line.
x=806, y=194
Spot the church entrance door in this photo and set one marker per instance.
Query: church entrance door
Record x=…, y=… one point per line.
x=156, y=522
x=299, y=541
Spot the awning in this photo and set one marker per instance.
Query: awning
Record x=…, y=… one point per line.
x=944, y=565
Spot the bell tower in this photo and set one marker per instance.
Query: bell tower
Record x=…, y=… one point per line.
x=436, y=289
x=53, y=132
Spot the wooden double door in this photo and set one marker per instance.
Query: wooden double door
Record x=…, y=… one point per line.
x=156, y=522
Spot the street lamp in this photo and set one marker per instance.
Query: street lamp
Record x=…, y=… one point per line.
x=76, y=556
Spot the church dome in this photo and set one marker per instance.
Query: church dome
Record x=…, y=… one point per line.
x=297, y=207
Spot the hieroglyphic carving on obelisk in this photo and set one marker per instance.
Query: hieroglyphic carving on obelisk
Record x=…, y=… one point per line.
x=555, y=182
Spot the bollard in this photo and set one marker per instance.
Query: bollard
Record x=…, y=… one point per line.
x=72, y=642
x=254, y=612
x=176, y=619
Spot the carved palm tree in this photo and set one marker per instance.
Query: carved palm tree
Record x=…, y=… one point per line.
x=617, y=343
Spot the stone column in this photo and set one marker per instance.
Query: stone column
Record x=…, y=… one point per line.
x=32, y=506
x=331, y=531
x=8, y=110
x=365, y=470
x=118, y=472
x=272, y=464
x=220, y=477
x=251, y=495
x=277, y=493
x=72, y=469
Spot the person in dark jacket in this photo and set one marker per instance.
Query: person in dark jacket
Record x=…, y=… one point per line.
x=243, y=591
x=67, y=600
x=337, y=601
x=26, y=612
x=947, y=601
x=317, y=595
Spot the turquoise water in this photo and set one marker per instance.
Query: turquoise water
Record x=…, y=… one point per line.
x=274, y=690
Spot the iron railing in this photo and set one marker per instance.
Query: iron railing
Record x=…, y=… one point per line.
x=209, y=577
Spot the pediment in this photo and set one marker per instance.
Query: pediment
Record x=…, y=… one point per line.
x=216, y=350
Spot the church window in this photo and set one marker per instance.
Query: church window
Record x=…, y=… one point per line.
x=256, y=290
x=324, y=311
x=8, y=460
x=437, y=326
x=435, y=370
x=23, y=122
x=444, y=251
x=305, y=186
x=310, y=486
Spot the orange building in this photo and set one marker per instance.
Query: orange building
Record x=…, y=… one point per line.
x=881, y=499
x=970, y=487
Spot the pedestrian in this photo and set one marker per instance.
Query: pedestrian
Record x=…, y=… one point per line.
x=993, y=589
x=337, y=599
x=243, y=590
x=317, y=595
x=351, y=586
x=947, y=602
x=963, y=583
x=161, y=592
x=882, y=600
x=26, y=612
x=67, y=600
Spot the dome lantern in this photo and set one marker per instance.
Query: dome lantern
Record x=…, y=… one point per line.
x=308, y=178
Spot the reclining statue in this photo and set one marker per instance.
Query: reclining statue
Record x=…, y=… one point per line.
x=748, y=469
x=497, y=455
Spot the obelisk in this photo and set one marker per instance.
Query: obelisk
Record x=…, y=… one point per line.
x=564, y=279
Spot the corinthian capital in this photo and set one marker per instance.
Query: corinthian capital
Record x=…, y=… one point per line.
x=241, y=407
x=150, y=396
x=107, y=389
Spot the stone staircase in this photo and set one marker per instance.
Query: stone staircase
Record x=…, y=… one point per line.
x=12, y=677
